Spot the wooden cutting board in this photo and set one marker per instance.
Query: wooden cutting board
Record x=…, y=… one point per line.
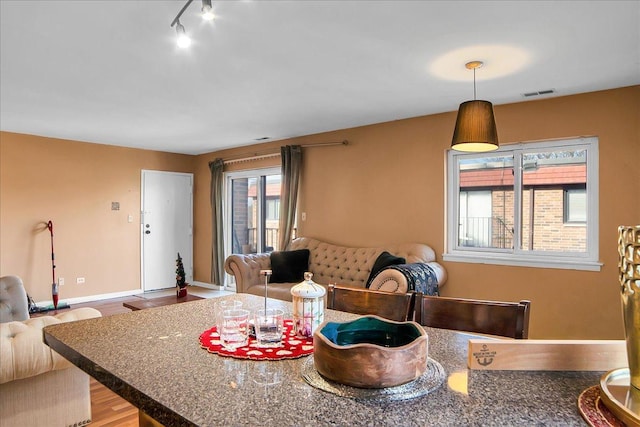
x=547, y=355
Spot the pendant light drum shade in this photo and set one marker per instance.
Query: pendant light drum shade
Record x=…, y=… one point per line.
x=475, y=129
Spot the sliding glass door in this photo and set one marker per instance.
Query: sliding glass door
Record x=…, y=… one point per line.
x=253, y=211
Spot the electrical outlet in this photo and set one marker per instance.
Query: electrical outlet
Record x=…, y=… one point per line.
x=79, y=280
x=60, y=281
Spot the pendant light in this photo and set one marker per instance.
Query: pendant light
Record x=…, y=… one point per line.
x=475, y=126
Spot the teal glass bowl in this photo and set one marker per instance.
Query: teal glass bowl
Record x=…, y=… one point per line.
x=370, y=352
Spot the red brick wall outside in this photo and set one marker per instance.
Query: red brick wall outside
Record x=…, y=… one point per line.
x=550, y=231
x=502, y=223
x=240, y=215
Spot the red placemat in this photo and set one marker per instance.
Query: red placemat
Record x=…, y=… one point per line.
x=593, y=410
x=292, y=346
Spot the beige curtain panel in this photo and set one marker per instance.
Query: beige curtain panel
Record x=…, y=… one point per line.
x=217, y=233
x=291, y=167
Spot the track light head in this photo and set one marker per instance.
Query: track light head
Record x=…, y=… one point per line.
x=183, y=39
x=207, y=10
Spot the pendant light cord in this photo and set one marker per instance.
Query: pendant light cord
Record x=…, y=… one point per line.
x=474, y=84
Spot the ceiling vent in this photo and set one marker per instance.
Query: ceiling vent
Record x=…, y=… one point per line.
x=538, y=93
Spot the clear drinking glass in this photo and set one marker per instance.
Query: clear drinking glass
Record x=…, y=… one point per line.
x=219, y=307
x=269, y=325
x=234, y=328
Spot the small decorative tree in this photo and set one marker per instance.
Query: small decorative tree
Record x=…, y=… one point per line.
x=180, y=279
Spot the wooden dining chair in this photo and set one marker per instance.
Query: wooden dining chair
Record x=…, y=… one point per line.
x=393, y=306
x=507, y=319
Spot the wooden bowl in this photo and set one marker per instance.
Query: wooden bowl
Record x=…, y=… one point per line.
x=370, y=352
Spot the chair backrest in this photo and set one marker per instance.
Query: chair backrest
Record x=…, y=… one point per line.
x=507, y=319
x=393, y=306
x=13, y=300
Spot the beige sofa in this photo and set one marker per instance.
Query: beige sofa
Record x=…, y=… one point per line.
x=38, y=387
x=331, y=263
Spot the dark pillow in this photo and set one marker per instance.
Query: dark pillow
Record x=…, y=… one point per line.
x=385, y=259
x=289, y=266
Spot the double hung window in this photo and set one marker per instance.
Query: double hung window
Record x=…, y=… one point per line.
x=531, y=204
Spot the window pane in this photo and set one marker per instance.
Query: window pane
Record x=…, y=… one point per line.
x=545, y=179
x=486, y=202
x=576, y=205
x=272, y=210
x=243, y=215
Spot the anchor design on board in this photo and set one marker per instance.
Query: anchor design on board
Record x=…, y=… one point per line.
x=484, y=357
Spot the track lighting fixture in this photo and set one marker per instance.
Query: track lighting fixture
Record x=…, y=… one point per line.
x=207, y=14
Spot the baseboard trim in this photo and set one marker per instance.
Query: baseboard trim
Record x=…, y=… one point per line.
x=207, y=285
x=90, y=298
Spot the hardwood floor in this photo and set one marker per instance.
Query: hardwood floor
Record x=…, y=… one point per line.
x=110, y=410
x=108, y=306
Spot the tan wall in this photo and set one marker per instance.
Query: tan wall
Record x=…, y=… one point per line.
x=388, y=186
x=73, y=184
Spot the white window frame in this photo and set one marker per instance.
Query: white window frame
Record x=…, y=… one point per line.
x=227, y=207
x=228, y=177
x=587, y=260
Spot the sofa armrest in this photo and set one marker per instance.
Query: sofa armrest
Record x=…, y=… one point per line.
x=393, y=279
x=24, y=354
x=246, y=269
x=389, y=280
x=440, y=272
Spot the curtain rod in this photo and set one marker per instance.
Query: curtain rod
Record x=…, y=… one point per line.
x=266, y=155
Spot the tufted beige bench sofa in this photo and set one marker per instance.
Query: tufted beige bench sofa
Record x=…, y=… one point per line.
x=39, y=387
x=331, y=263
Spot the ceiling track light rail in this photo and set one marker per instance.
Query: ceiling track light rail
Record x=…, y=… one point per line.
x=176, y=20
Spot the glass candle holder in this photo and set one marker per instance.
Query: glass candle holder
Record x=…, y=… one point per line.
x=308, y=306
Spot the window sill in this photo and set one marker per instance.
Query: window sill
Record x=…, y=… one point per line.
x=537, y=262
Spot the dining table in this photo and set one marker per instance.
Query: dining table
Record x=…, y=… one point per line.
x=154, y=359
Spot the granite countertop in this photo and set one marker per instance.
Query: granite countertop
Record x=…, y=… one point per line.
x=153, y=359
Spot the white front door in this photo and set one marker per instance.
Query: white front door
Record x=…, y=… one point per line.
x=167, y=227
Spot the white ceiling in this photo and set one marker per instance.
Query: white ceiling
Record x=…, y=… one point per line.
x=110, y=72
